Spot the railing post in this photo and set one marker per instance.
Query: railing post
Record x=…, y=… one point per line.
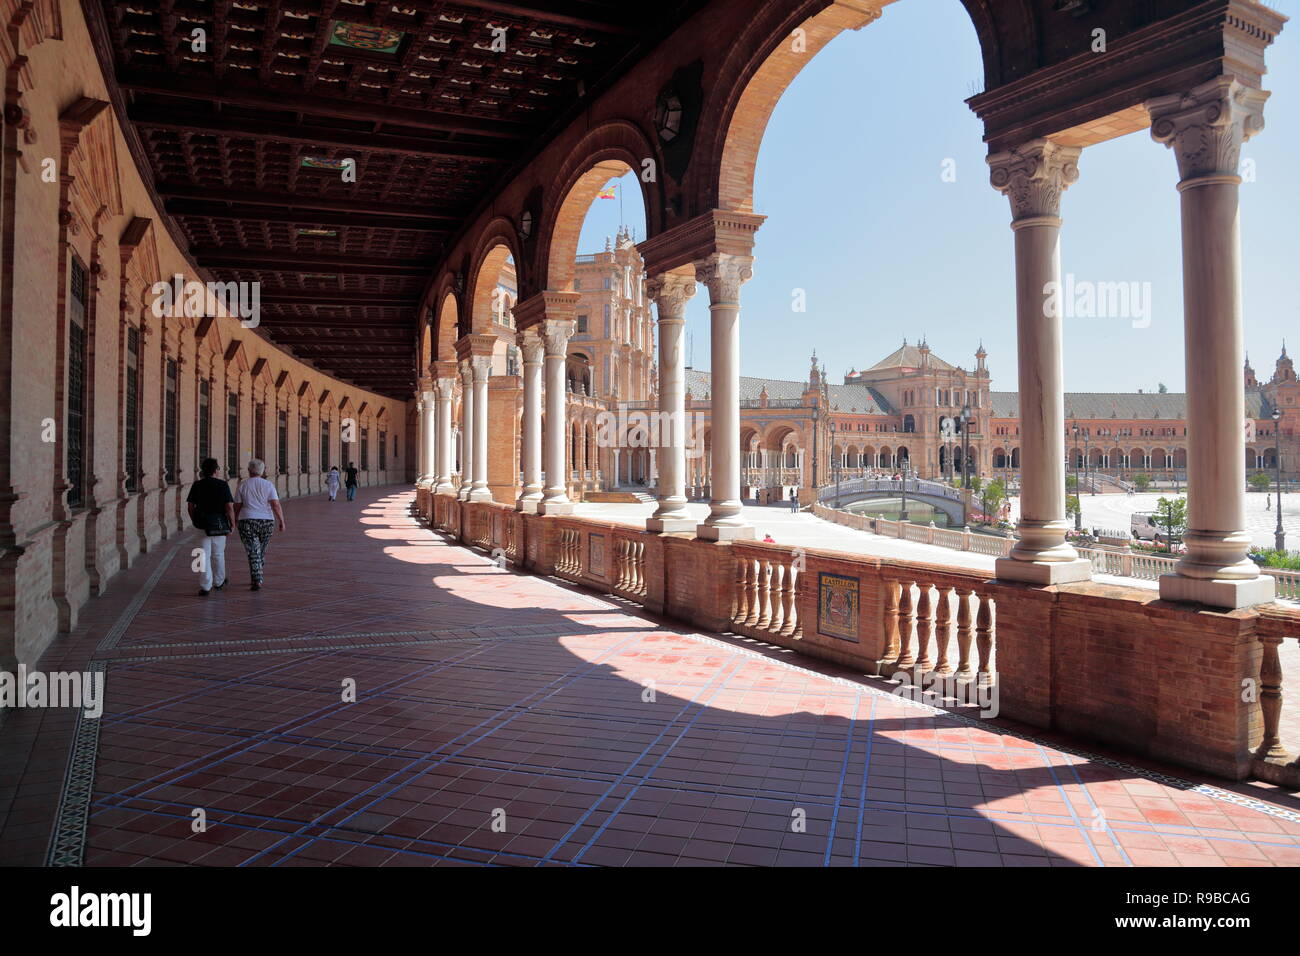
x=984, y=637
x=905, y=620
x=1270, y=699
x=924, y=629
x=943, y=628
x=964, y=634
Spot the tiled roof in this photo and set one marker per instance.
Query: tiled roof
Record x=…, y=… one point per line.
x=909, y=356
x=1139, y=406
x=845, y=398
x=858, y=398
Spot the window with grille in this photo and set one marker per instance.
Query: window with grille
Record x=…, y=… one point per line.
x=232, y=434
x=76, y=404
x=282, y=442
x=131, y=453
x=324, y=445
x=169, y=423
x=365, y=449
x=304, y=436
x=259, y=431
x=383, y=451
x=205, y=419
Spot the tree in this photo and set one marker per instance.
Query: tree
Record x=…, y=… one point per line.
x=991, y=497
x=1071, y=505
x=1141, y=481
x=1171, y=514
x=1260, y=481
x=1163, y=388
x=1071, y=483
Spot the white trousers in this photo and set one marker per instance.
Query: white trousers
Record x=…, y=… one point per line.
x=214, y=561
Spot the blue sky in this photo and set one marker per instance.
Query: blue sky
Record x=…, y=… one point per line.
x=884, y=248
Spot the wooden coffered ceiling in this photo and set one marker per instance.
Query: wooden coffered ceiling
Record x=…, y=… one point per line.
x=227, y=132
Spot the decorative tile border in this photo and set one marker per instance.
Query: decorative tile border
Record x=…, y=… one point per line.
x=68, y=835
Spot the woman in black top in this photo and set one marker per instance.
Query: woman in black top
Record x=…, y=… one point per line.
x=351, y=481
x=212, y=510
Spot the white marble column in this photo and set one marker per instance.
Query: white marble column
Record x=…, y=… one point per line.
x=445, y=390
x=482, y=366
x=555, y=336
x=1205, y=128
x=532, y=348
x=670, y=293
x=421, y=451
x=724, y=274
x=1033, y=176
x=428, y=437
x=466, y=429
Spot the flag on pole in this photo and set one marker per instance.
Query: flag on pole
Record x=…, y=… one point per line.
x=609, y=192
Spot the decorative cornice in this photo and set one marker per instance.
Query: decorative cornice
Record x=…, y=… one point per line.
x=1206, y=126
x=717, y=231
x=1034, y=175
x=547, y=304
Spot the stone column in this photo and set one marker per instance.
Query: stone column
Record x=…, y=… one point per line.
x=1205, y=128
x=532, y=347
x=428, y=437
x=482, y=370
x=670, y=293
x=445, y=394
x=421, y=462
x=466, y=429
x=1033, y=176
x=556, y=334
x=724, y=273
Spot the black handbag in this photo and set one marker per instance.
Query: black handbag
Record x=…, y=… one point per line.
x=217, y=524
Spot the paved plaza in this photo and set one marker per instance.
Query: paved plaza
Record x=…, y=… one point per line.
x=504, y=719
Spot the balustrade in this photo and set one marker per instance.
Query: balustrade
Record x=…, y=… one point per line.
x=766, y=594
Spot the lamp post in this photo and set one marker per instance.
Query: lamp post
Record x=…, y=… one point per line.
x=1279, y=536
x=835, y=464
x=1087, y=462
x=907, y=464
x=1078, y=514
x=965, y=464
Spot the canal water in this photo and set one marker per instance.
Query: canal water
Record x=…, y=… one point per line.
x=917, y=512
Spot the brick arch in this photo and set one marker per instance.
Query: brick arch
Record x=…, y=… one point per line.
x=776, y=434
x=498, y=234
x=487, y=269
x=445, y=321
x=763, y=62
x=604, y=153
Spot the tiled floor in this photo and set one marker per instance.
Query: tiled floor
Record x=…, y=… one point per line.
x=502, y=719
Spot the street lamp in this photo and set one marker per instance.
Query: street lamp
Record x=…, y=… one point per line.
x=1087, y=463
x=1279, y=536
x=835, y=464
x=1078, y=514
x=965, y=463
x=907, y=464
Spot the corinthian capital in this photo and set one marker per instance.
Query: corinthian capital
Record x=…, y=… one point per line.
x=670, y=292
x=482, y=366
x=556, y=334
x=1206, y=127
x=445, y=388
x=531, y=345
x=466, y=373
x=1034, y=175
x=724, y=274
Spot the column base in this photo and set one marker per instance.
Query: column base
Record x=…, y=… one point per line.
x=670, y=525
x=480, y=494
x=555, y=507
x=444, y=489
x=1043, y=573
x=724, y=532
x=1226, y=594
x=528, y=504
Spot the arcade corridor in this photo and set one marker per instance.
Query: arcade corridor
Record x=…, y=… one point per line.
x=505, y=719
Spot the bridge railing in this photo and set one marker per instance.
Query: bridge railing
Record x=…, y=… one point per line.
x=913, y=486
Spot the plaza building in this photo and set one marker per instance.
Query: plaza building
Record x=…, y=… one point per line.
x=322, y=233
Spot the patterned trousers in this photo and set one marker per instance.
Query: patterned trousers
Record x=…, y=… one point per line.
x=256, y=535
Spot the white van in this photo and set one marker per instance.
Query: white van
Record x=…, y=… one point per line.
x=1145, y=528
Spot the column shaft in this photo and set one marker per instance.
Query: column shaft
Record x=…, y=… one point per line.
x=556, y=334
x=466, y=430
x=443, y=436
x=482, y=365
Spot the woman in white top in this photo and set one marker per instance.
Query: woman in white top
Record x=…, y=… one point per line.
x=332, y=482
x=257, y=509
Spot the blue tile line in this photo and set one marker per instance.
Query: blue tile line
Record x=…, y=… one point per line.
x=574, y=675
x=720, y=679
x=844, y=772
x=1070, y=806
x=218, y=756
x=1074, y=769
x=862, y=790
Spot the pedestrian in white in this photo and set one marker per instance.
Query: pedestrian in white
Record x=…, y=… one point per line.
x=257, y=508
x=332, y=482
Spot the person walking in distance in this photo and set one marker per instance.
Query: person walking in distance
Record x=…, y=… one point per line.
x=332, y=482
x=794, y=501
x=212, y=511
x=352, y=480
x=257, y=508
